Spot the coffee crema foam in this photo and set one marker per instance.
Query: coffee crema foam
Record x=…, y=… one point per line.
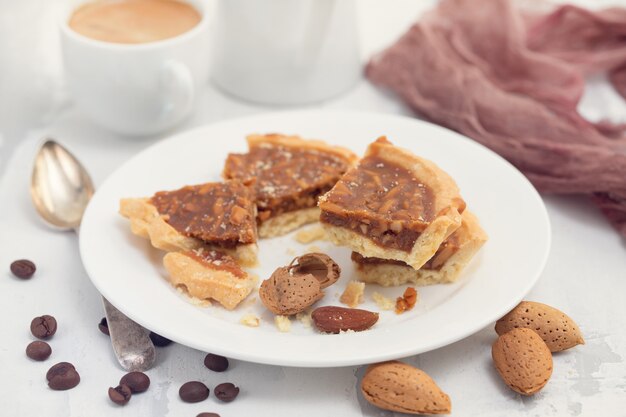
x=134, y=21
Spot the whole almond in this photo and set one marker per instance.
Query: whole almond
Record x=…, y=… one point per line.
x=558, y=330
x=396, y=386
x=332, y=319
x=523, y=360
x=285, y=294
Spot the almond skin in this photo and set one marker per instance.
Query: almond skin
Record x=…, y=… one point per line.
x=285, y=294
x=332, y=319
x=320, y=265
x=396, y=386
x=558, y=330
x=523, y=360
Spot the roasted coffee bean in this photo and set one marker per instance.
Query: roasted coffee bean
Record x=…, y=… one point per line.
x=208, y=415
x=38, y=350
x=23, y=268
x=62, y=376
x=121, y=394
x=159, y=340
x=43, y=327
x=104, y=326
x=216, y=363
x=226, y=392
x=58, y=368
x=136, y=381
x=193, y=392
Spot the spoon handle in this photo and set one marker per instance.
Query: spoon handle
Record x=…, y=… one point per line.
x=132, y=345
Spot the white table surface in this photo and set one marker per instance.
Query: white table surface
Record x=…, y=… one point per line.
x=585, y=275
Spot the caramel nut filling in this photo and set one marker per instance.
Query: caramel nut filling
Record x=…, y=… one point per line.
x=219, y=213
x=381, y=201
x=287, y=178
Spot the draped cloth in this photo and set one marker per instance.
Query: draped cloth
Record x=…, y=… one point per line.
x=511, y=79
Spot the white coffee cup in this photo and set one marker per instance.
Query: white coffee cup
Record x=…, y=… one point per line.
x=136, y=89
x=285, y=51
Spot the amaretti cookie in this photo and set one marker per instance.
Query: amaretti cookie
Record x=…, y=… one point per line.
x=209, y=275
x=218, y=215
x=445, y=266
x=290, y=174
x=392, y=205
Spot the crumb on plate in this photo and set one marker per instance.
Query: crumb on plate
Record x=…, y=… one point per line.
x=353, y=294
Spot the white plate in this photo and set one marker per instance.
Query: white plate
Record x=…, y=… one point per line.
x=128, y=272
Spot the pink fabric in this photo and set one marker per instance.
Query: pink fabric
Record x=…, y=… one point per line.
x=512, y=81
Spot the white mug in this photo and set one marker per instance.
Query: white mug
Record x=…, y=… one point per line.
x=285, y=51
x=136, y=89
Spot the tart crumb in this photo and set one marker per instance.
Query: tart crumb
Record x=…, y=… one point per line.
x=310, y=234
x=313, y=249
x=353, y=294
x=304, y=317
x=250, y=320
x=198, y=302
x=383, y=302
x=291, y=252
x=283, y=323
x=407, y=301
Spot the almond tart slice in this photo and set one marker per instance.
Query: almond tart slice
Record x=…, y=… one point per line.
x=209, y=275
x=290, y=175
x=216, y=215
x=392, y=205
x=445, y=266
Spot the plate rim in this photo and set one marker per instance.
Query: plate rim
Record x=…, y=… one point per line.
x=329, y=362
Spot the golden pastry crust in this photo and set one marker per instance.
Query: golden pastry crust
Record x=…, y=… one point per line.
x=296, y=142
x=206, y=280
x=470, y=238
x=145, y=221
x=288, y=222
x=446, y=207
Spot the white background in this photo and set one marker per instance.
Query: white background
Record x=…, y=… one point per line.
x=585, y=275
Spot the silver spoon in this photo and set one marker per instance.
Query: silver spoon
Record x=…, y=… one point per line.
x=60, y=189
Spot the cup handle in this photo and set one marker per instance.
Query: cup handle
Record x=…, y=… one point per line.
x=178, y=90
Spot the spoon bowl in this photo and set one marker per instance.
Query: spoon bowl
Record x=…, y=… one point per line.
x=61, y=189
x=60, y=186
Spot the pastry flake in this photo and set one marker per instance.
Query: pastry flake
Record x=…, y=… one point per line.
x=209, y=274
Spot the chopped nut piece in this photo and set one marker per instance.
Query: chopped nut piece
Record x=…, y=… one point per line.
x=283, y=323
x=311, y=234
x=353, y=294
x=250, y=320
x=407, y=301
x=383, y=302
